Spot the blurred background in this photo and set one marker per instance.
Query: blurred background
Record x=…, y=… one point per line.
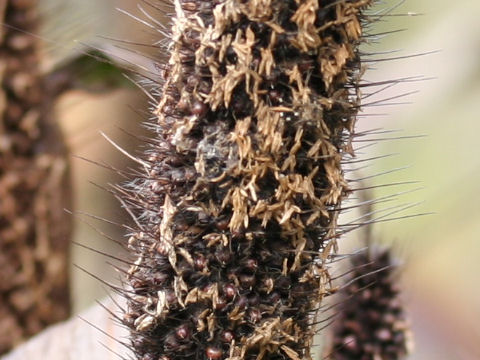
x=440, y=251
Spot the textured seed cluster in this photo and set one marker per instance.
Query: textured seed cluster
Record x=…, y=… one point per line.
x=237, y=206
x=34, y=228
x=371, y=324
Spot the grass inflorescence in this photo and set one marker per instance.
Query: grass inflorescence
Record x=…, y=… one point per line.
x=371, y=321
x=238, y=196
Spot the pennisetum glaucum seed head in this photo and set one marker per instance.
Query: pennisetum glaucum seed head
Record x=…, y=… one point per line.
x=236, y=207
x=371, y=321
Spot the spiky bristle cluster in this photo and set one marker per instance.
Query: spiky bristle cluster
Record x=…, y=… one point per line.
x=34, y=228
x=237, y=209
x=371, y=324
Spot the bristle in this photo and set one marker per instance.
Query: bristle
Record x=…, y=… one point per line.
x=34, y=229
x=237, y=211
x=371, y=322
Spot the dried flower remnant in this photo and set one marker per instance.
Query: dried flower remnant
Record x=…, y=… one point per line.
x=371, y=321
x=34, y=228
x=237, y=210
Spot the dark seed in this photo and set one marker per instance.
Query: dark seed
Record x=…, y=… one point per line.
x=383, y=335
x=207, y=287
x=182, y=225
x=199, y=108
x=251, y=264
x=230, y=291
x=283, y=283
x=192, y=81
x=156, y=187
x=182, y=105
x=175, y=161
x=186, y=55
x=254, y=300
x=254, y=315
x=168, y=110
x=231, y=55
x=139, y=342
x=241, y=302
x=221, y=303
x=222, y=224
x=305, y=65
x=350, y=343
x=238, y=234
x=200, y=262
x=373, y=315
x=274, y=297
x=171, y=298
x=275, y=96
x=189, y=6
x=213, y=353
x=203, y=218
x=129, y=319
x=227, y=336
x=137, y=283
x=223, y=255
x=209, y=51
x=159, y=278
x=183, y=332
x=171, y=343
x=149, y=357
x=247, y=280
x=190, y=174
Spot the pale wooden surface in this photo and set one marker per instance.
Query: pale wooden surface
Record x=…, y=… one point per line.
x=76, y=339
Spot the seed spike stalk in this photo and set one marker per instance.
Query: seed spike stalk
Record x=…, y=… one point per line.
x=236, y=212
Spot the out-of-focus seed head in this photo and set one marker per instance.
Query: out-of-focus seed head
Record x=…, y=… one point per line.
x=371, y=322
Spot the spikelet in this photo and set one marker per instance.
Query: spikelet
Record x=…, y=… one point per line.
x=371, y=323
x=34, y=228
x=236, y=210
